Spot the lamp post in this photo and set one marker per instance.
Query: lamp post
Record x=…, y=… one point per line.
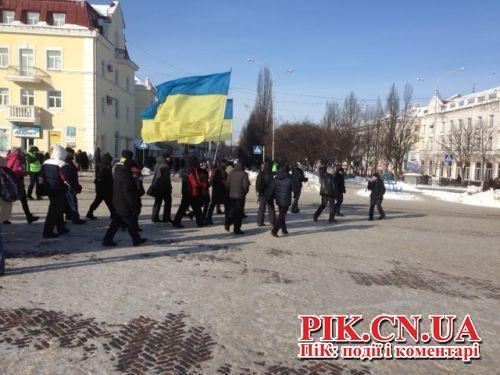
x=288, y=71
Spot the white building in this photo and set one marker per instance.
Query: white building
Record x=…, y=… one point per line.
x=440, y=116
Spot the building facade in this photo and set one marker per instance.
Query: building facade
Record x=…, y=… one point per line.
x=441, y=137
x=65, y=76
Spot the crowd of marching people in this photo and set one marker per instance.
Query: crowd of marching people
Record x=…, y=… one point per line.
x=221, y=188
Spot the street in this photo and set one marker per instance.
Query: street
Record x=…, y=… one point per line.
x=206, y=301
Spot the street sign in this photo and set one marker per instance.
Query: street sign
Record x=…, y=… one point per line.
x=143, y=146
x=257, y=149
x=448, y=158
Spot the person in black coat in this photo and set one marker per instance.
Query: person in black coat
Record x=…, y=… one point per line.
x=377, y=188
x=328, y=192
x=298, y=179
x=219, y=192
x=262, y=186
x=161, y=190
x=71, y=171
x=281, y=190
x=340, y=184
x=103, y=186
x=55, y=186
x=205, y=190
x=126, y=201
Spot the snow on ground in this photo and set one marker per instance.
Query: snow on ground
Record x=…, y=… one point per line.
x=311, y=186
x=489, y=198
x=392, y=195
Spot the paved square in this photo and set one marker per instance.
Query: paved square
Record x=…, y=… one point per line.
x=204, y=301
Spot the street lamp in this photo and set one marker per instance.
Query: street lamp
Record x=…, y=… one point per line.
x=287, y=71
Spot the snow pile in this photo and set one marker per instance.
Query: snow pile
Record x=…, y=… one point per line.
x=472, y=197
x=146, y=172
x=391, y=195
x=311, y=186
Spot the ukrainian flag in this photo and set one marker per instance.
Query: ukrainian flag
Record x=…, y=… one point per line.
x=187, y=107
x=221, y=132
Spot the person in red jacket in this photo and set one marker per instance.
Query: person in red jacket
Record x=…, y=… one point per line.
x=16, y=164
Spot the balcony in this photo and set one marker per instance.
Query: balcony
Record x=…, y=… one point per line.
x=24, y=114
x=28, y=74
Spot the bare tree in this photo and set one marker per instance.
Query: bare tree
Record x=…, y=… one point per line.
x=258, y=129
x=461, y=143
x=401, y=130
x=484, y=142
x=333, y=115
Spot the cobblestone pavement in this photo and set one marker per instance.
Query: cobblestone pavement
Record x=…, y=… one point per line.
x=201, y=301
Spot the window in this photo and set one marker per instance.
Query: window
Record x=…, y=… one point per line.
x=480, y=99
x=4, y=57
x=8, y=16
x=452, y=126
x=461, y=103
x=103, y=68
x=59, y=19
x=27, y=97
x=4, y=96
x=470, y=101
x=32, y=18
x=469, y=123
x=54, y=99
x=493, y=95
x=117, y=109
x=54, y=60
x=460, y=124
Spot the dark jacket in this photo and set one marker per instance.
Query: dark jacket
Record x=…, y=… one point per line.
x=71, y=173
x=161, y=184
x=52, y=172
x=377, y=189
x=237, y=183
x=264, y=181
x=217, y=181
x=298, y=178
x=104, y=177
x=328, y=187
x=205, y=185
x=340, y=182
x=126, y=195
x=281, y=188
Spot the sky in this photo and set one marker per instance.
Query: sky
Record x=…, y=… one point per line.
x=334, y=46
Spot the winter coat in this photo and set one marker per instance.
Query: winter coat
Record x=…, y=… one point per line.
x=377, y=188
x=191, y=183
x=264, y=181
x=104, y=178
x=15, y=163
x=33, y=162
x=281, y=188
x=328, y=188
x=126, y=194
x=237, y=183
x=70, y=172
x=218, y=187
x=340, y=183
x=161, y=184
x=205, y=185
x=53, y=172
x=298, y=179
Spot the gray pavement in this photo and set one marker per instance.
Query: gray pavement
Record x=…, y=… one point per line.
x=205, y=301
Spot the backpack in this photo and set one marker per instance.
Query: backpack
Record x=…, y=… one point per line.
x=12, y=189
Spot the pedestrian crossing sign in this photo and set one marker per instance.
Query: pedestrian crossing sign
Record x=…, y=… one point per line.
x=448, y=158
x=257, y=150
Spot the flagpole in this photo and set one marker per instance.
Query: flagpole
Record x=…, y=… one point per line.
x=218, y=143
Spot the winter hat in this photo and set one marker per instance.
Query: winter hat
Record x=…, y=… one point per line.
x=127, y=154
x=376, y=175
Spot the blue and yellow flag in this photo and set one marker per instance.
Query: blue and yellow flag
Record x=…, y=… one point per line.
x=186, y=107
x=223, y=132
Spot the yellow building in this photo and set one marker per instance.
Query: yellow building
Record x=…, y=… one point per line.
x=65, y=76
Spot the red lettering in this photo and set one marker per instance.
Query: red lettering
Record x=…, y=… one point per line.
x=412, y=328
x=437, y=327
x=309, y=324
x=345, y=330
x=467, y=329
x=327, y=327
x=375, y=328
